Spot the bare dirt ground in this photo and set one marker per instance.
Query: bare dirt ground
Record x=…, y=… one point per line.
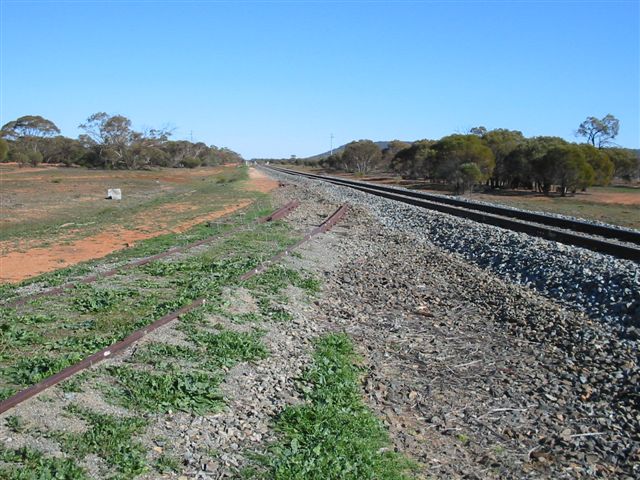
x=57, y=217
x=260, y=182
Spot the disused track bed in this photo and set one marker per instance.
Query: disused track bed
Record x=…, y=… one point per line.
x=276, y=215
x=107, y=352
x=607, y=240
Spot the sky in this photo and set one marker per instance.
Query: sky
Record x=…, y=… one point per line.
x=278, y=78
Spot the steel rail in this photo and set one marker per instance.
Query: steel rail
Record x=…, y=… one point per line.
x=627, y=252
x=129, y=340
x=604, y=231
x=276, y=215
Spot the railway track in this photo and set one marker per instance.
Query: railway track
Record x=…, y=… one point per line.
x=617, y=242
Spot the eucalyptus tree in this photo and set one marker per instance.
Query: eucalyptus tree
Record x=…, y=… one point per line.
x=599, y=132
x=502, y=142
x=361, y=156
x=456, y=150
x=27, y=133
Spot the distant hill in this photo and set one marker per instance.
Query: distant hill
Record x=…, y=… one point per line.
x=339, y=149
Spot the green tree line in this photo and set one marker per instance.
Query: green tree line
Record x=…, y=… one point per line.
x=499, y=158
x=107, y=141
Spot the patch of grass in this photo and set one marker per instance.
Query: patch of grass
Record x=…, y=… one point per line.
x=6, y=392
x=333, y=435
x=162, y=353
x=150, y=246
x=15, y=423
x=193, y=392
x=11, y=334
x=584, y=205
x=278, y=277
x=7, y=290
x=93, y=300
x=28, y=464
x=228, y=347
x=273, y=312
x=250, y=317
x=160, y=268
x=166, y=464
x=30, y=370
x=111, y=438
x=74, y=384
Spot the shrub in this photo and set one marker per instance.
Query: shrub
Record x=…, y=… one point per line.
x=191, y=162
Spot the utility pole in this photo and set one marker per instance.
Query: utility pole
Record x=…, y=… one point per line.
x=191, y=135
x=331, y=137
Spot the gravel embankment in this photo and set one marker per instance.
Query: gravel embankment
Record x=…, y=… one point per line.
x=475, y=376
x=599, y=285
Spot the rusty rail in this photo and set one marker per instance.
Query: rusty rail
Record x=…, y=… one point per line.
x=118, y=347
x=328, y=223
x=276, y=215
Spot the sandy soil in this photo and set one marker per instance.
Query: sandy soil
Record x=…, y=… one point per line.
x=259, y=182
x=17, y=266
x=27, y=257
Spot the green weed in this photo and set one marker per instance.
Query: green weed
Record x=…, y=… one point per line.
x=228, y=348
x=110, y=438
x=13, y=335
x=15, y=423
x=333, y=435
x=6, y=392
x=30, y=370
x=272, y=312
x=161, y=353
x=277, y=277
x=161, y=392
x=167, y=464
x=33, y=465
x=93, y=300
x=74, y=384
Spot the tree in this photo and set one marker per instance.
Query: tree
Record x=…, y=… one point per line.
x=29, y=126
x=20, y=157
x=116, y=145
x=455, y=150
x=361, y=156
x=109, y=137
x=469, y=174
x=332, y=162
x=502, y=142
x=415, y=161
x=478, y=131
x=28, y=132
x=145, y=149
x=390, y=151
x=568, y=168
x=35, y=158
x=626, y=163
x=541, y=165
x=602, y=165
x=63, y=150
x=222, y=156
x=4, y=149
x=599, y=132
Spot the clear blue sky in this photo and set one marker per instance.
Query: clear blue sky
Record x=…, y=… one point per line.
x=272, y=79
